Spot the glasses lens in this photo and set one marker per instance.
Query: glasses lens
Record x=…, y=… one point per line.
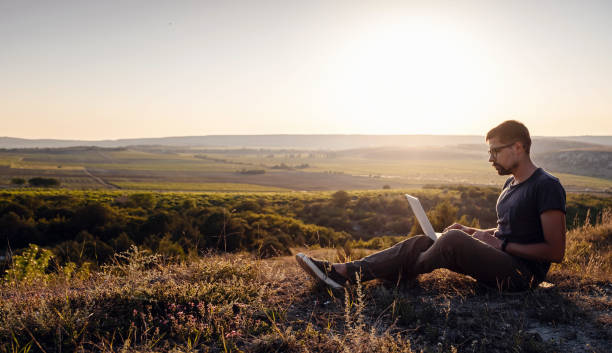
x=494, y=151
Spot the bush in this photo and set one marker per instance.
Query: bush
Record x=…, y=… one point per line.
x=18, y=181
x=143, y=200
x=30, y=266
x=43, y=182
x=340, y=198
x=169, y=248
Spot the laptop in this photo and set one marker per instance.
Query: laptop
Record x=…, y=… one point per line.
x=419, y=212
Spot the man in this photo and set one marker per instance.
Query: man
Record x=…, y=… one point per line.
x=514, y=256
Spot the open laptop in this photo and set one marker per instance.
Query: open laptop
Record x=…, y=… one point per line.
x=419, y=212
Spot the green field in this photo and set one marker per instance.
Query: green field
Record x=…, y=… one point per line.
x=196, y=187
x=168, y=169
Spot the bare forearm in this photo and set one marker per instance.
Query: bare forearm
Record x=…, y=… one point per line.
x=537, y=251
x=471, y=230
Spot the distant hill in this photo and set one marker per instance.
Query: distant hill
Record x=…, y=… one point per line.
x=312, y=142
x=333, y=142
x=596, y=162
x=600, y=140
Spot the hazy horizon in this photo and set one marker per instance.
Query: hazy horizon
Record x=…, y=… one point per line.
x=296, y=134
x=87, y=70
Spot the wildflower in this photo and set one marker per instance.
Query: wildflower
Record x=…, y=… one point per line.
x=231, y=334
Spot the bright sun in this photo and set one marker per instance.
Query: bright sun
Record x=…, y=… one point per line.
x=415, y=77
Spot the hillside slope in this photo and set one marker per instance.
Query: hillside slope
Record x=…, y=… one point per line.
x=594, y=162
x=222, y=303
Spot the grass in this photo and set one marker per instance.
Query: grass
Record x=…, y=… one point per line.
x=141, y=303
x=221, y=303
x=589, y=249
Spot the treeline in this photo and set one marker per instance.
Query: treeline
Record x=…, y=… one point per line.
x=91, y=226
x=37, y=182
x=86, y=227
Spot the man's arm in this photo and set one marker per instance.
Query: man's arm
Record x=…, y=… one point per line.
x=469, y=230
x=553, y=247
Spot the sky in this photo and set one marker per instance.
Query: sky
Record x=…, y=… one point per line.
x=112, y=69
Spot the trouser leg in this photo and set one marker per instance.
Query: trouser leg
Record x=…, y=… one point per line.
x=391, y=263
x=455, y=250
x=462, y=253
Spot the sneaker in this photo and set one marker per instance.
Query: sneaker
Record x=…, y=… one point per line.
x=321, y=270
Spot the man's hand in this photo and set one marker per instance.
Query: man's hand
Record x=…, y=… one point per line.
x=486, y=237
x=461, y=227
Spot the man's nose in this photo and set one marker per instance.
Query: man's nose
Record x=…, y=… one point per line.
x=491, y=159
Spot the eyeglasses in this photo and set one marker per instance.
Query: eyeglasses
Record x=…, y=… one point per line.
x=495, y=150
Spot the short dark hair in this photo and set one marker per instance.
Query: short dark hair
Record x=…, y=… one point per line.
x=511, y=131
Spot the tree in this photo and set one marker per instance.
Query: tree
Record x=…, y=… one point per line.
x=169, y=248
x=443, y=215
x=143, y=200
x=43, y=182
x=340, y=198
x=18, y=181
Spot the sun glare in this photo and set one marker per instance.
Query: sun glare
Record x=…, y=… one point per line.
x=415, y=77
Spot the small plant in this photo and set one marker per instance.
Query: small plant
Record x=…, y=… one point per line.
x=132, y=261
x=70, y=270
x=30, y=266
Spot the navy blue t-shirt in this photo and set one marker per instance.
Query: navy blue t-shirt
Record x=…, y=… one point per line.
x=519, y=207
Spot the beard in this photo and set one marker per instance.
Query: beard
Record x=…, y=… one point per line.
x=503, y=171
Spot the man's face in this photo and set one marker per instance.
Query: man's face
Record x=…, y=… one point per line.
x=502, y=156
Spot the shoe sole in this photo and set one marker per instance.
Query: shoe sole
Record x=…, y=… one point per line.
x=315, y=272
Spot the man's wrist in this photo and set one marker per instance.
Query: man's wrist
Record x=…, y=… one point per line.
x=503, y=245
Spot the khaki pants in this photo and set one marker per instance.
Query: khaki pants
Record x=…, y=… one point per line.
x=456, y=251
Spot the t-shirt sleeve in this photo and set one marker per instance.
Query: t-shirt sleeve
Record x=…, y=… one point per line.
x=551, y=196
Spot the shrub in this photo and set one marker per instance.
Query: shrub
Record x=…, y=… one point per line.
x=144, y=200
x=18, y=181
x=44, y=182
x=169, y=248
x=30, y=266
x=340, y=198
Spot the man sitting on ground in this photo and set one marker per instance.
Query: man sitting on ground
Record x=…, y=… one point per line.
x=514, y=256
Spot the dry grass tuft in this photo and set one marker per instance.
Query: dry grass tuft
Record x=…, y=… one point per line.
x=588, y=252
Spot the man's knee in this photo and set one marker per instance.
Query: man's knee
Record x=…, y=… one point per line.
x=416, y=244
x=422, y=242
x=453, y=239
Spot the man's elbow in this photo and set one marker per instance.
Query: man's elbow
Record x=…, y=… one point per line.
x=558, y=256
